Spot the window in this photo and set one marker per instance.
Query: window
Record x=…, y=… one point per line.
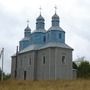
x=43, y=59
x=63, y=59
x=30, y=61
x=59, y=35
x=44, y=39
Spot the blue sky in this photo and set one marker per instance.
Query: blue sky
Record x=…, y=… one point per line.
x=74, y=19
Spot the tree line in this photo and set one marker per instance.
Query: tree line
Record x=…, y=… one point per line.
x=82, y=67
x=5, y=76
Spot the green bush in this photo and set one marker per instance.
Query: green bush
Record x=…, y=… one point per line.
x=84, y=69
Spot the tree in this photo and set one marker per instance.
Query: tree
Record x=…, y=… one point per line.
x=5, y=76
x=84, y=69
x=1, y=74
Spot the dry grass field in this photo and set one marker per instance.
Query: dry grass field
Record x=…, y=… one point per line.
x=80, y=84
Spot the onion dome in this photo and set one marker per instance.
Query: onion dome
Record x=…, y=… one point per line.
x=55, y=20
x=27, y=30
x=40, y=22
x=40, y=18
x=55, y=16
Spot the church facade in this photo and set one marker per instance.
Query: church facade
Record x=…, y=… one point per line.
x=43, y=54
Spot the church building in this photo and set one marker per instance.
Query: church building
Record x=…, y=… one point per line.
x=43, y=54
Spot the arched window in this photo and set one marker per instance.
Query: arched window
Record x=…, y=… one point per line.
x=63, y=59
x=60, y=36
x=44, y=39
x=44, y=60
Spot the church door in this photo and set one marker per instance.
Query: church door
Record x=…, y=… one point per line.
x=25, y=74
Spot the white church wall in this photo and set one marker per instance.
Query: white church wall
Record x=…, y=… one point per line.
x=43, y=68
x=44, y=64
x=63, y=69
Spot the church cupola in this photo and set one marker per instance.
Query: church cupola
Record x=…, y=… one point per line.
x=27, y=30
x=55, y=19
x=40, y=22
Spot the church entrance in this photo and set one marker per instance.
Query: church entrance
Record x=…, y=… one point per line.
x=25, y=74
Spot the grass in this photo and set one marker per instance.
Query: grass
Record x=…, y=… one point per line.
x=80, y=84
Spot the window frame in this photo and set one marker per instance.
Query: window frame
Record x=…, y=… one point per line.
x=60, y=35
x=44, y=60
x=44, y=39
x=63, y=59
